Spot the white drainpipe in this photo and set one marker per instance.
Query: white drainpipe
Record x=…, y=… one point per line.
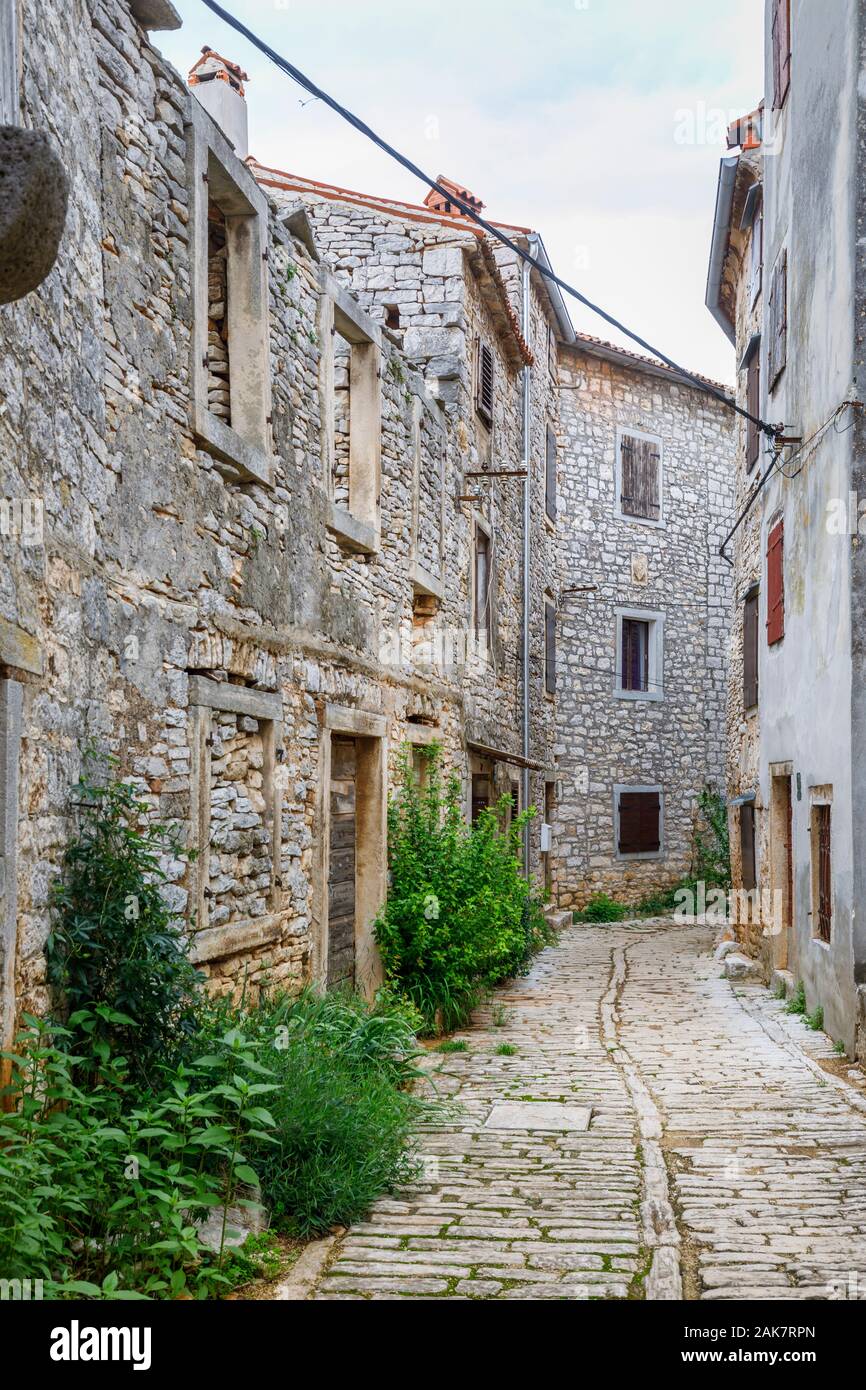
x=527, y=548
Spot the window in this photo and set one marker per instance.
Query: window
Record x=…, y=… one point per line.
x=638, y=817
x=350, y=369
x=481, y=588
x=748, y=875
x=750, y=648
x=392, y=316
x=781, y=39
x=638, y=477
x=549, y=645
x=550, y=474
x=753, y=405
x=822, y=879
x=230, y=338
x=639, y=656
x=756, y=254
x=777, y=320
x=482, y=793
x=9, y=63
x=484, y=382
x=776, y=583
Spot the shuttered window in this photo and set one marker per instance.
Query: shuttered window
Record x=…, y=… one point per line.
x=777, y=320
x=821, y=854
x=781, y=43
x=635, y=654
x=753, y=405
x=550, y=474
x=750, y=649
x=640, y=493
x=748, y=876
x=484, y=382
x=639, y=822
x=776, y=584
x=549, y=647
x=756, y=255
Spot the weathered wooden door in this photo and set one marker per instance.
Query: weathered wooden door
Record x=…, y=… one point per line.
x=341, y=870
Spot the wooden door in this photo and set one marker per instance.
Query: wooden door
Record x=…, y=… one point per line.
x=341, y=866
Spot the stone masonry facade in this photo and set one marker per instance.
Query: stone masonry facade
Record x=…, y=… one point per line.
x=240, y=422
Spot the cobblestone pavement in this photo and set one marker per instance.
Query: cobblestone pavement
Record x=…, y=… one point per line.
x=725, y=1156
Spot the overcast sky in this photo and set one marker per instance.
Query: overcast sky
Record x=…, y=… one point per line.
x=599, y=123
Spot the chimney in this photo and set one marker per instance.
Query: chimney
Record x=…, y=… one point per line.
x=219, y=87
x=439, y=202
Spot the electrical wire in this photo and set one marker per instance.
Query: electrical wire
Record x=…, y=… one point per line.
x=468, y=211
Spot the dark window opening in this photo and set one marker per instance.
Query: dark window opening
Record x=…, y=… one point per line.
x=635, y=654
x=750, y=649
x=392, y=316
x=821, y=828
x=639, y=823
x=748, y=875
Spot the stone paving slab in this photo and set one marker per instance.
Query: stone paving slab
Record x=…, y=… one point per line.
x=722, y=1161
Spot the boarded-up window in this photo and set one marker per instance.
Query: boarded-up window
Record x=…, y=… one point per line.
x=481, y=583
x=748, y=875
x=550, y=474
x=822, y=871
x=781, y=39
x=776, y=584
x=635, y=654
x=753, y=405
x=750, y=649
x=640, y=461
x=484, y=382
x=777, y=320
x=549, y=646
x=639, y=822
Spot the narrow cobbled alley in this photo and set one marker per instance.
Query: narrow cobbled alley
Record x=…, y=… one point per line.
x=657, y=1132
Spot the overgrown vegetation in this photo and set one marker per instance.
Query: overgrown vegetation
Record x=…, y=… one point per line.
x=146, y=1106
x=601, y=908
x=459, y=916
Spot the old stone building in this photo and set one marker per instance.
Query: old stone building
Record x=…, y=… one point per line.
x=295, y=477
x=645, y=485
x=786, y=281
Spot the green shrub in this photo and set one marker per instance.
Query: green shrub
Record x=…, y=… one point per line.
x=711, y=847
x=601, y=908
x=815, y=1020
x=459, y=916
x=115, y=941
x=343, y=1117
x=797, y=1003
x=656, y=904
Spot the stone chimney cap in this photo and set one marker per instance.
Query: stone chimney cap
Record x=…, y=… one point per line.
x=211, y=65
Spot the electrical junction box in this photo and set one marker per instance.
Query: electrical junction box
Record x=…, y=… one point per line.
x=546, y=837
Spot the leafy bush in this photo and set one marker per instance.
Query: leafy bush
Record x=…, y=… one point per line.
x=658, y=903
x=711, y=846
x=101, y=1194
x=459, y=916
x=115, y=940
x=342, y=1114
x=601, y=908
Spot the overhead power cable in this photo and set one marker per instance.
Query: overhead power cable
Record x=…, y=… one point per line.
x=466, y=208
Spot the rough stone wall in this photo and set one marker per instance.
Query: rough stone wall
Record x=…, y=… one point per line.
x=677, y=742
x=157, y=564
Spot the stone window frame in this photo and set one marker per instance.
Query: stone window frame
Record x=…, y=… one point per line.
x=10, y=62
x=619, y=788
x=358, y=527
x=11, y=706
x=207, y=696
x=485, y=652
x=656, y=657
x=214, y=170
x=619, y=514
x=423, y=582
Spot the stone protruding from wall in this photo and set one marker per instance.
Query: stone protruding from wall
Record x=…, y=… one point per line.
x=34, y=192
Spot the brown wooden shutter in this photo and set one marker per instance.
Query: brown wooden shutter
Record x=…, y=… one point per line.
x=639, y=478
x=753, y=405
x=748, y=875
x=781, y=40
x=750, y=650
x=778, y=319
x=549, y=648
x=484, y=382
x=776, y=584
x=550, y=475
x=639, y=822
